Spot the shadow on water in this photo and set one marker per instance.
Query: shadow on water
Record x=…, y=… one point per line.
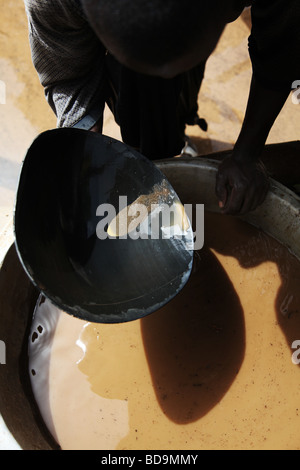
x=196, y=344
x=258, y=248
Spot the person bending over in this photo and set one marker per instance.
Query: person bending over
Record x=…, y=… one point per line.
x=146, y=60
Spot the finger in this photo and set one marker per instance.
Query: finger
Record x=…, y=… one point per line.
x=265, y=191
x=259, y=194
x=235, y=200
x=251, y=200
x=221, y=189
x=255, y=203
x=255, y=195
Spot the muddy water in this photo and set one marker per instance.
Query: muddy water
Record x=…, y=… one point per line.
x=211, y=370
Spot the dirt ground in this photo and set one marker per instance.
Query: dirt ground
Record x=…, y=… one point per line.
x=25, y=113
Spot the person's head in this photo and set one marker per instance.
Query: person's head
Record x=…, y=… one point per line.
x=160, y=37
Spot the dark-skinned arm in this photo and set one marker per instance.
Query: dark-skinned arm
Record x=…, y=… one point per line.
x=242, y=182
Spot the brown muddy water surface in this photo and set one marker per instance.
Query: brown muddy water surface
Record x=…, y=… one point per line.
x=212, y=369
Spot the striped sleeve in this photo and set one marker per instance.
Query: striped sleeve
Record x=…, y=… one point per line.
x=68, y=58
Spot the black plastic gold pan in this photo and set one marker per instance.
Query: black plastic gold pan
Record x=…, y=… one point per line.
x=72, y=187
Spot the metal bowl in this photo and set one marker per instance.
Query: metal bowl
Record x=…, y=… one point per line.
x=194, y=182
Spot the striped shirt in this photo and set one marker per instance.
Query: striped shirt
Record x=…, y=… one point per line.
x=69, y=57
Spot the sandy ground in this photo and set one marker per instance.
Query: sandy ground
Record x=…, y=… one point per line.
x=24, y=112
